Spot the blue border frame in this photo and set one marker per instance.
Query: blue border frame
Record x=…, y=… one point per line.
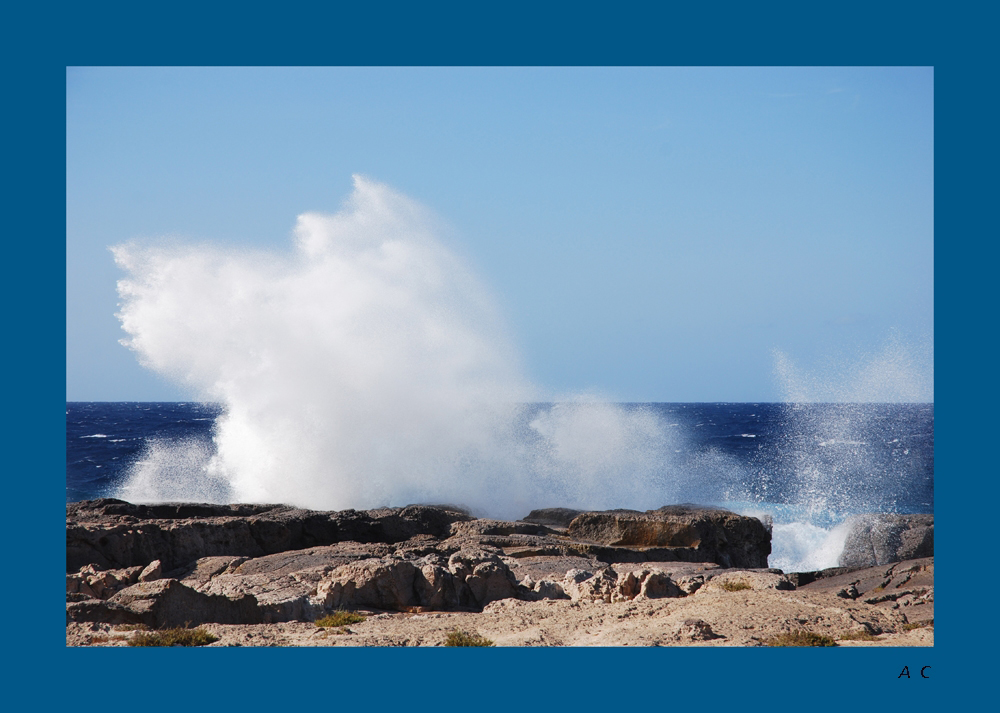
x=512, y=34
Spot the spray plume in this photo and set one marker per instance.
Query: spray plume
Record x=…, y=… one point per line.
x=368, y=367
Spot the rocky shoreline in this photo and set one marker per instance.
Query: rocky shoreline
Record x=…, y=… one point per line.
x=261, y=575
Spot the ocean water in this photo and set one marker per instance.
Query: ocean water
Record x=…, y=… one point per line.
x=807, y=466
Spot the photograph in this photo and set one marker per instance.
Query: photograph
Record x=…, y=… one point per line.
x=500, y=356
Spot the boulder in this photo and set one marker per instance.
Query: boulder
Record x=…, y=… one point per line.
x=468, y=579
x=708, y=534
x=877, y=539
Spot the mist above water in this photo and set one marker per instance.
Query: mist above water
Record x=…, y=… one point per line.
x=366, y=367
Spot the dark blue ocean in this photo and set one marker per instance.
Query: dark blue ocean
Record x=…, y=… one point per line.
x=808, y=466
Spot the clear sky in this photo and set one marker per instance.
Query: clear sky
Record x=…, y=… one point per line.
x=651, y=234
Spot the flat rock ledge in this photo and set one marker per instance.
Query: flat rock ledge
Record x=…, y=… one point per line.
x=237, y=567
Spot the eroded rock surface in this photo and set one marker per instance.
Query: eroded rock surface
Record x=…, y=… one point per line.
x=876, y=539
x=263, y=565
x=707, y=534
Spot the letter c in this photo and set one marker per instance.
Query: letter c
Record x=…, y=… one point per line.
x=922, y=672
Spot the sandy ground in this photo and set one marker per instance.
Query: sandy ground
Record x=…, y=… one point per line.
x=706, y=618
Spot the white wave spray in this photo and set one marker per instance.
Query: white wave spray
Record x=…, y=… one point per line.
x=828, y=449
x=368, y=367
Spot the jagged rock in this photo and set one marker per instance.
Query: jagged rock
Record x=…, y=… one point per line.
x=877, y=539
x=166, y=603
x=97, y=583
x=655, y=584
x=690, y=584
x=696, y=630
x=154, y=570
x=708, y=534
x=849, y=592
x=383, y=583
x=486, y=575
x=467, y=579
x=547, y=589
x=600, y=586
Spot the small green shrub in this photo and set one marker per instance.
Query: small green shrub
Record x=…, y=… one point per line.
x=800, y=638
x=735, y=585
x=339, y=618
x=862, y=635
x=173, y=637
x=463, y=638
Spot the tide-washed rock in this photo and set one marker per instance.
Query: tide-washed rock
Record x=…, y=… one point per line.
x=877, y=539
x=710, y=534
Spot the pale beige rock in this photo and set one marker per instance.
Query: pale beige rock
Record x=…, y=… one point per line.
x=154, y=570
x=745, y=618
x=754, y=580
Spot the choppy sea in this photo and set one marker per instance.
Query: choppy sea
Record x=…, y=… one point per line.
x=808, y=466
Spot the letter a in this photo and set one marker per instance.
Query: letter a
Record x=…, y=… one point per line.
x=906, y=672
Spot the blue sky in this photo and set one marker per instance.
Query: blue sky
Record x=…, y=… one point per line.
x=651, y=234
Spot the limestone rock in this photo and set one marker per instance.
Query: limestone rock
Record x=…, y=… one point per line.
x=877, y=539
x=95, y=582
x=166, y=603
x=558, y=517
x=154, y=570
x=738, y=580
x=696, y=630
x=497, y=527
x=114, y=534
x=547, y=589
x=709, y=534
x=467, y=579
